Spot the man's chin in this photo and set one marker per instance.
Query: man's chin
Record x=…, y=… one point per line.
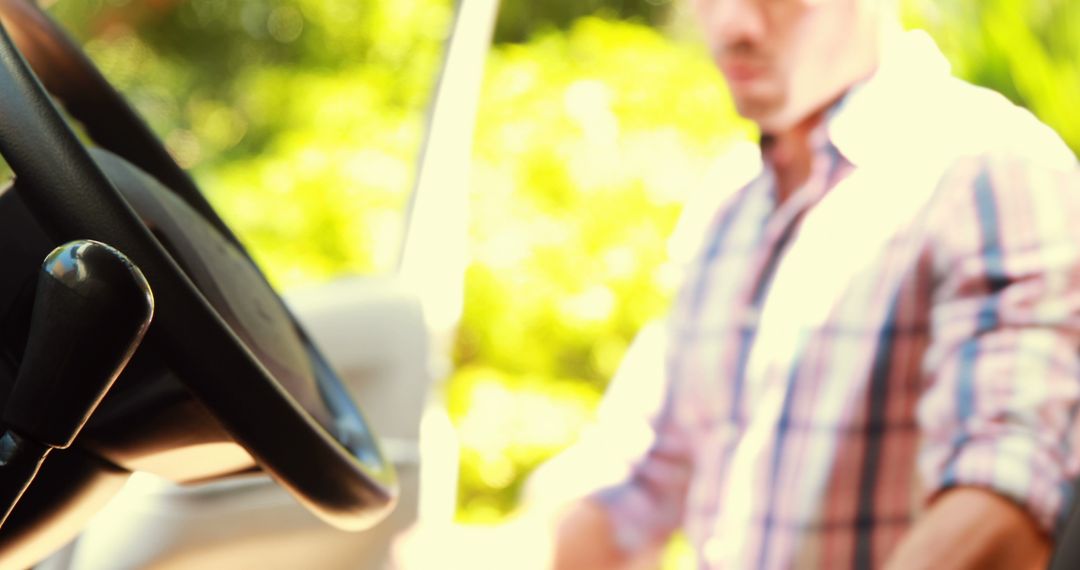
x=766, y=113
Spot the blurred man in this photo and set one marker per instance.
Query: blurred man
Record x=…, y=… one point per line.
x=873, y=360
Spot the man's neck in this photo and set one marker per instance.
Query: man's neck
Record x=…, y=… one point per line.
x=789, y=153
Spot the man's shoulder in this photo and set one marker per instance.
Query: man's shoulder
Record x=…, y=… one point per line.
x=982, y=124
x=990, y=144
x=915, y=111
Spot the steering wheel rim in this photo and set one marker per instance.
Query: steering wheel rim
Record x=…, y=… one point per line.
x=344, y=480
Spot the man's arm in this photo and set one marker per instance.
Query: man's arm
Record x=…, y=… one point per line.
x=629, y=474
x=585, y=538
x=607, y=502
x=970, y=527
x=999, y=414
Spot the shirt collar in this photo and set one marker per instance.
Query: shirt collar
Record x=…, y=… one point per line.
x=889, y=110
x=887, y=104
x=819, y=136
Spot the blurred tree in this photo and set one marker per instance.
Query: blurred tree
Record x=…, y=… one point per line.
x=588, y=142
x=318, y=103
x=520, y=20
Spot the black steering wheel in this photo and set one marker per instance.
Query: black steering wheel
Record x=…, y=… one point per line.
x=218, y=323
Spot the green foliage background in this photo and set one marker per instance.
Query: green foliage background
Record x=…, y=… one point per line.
x=302, y=120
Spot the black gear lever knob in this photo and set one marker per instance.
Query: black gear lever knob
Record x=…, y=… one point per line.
x=91, y=309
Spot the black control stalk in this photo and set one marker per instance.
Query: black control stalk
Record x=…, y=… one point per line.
x=91, y=309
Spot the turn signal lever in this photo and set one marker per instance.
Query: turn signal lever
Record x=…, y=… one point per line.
x=91, y=308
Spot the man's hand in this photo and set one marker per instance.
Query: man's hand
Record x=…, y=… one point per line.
x=969, y=527
x=585, y=540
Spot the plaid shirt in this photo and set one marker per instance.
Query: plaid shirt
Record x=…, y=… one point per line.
x=908, y=321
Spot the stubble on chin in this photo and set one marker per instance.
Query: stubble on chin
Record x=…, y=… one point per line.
x=766, y=111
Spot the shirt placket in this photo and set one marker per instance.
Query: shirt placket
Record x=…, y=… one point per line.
x=780, y=230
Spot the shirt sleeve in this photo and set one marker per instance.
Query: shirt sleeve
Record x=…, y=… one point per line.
x=646, y=503
x=1000, y=406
